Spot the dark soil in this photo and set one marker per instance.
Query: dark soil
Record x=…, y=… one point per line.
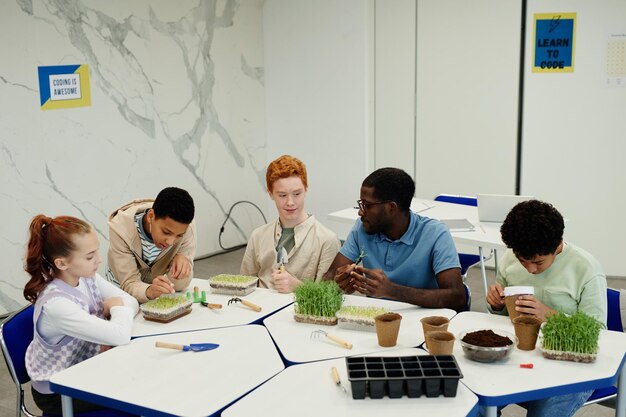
x=486, y=338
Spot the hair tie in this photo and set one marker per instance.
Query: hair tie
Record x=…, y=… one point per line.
x=46, y=222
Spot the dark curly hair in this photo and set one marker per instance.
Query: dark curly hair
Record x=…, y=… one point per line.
x=392, y=184
x=174, y=203
x=533, y=228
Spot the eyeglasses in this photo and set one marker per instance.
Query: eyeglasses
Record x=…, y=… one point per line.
x=363, y=205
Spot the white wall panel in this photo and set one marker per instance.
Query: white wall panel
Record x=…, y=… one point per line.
x=467, y=92
x=575, y=131
x=395, y=84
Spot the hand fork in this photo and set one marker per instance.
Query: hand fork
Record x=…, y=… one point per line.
x=246, y=303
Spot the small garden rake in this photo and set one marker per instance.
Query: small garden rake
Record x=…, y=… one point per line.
x=319, y=333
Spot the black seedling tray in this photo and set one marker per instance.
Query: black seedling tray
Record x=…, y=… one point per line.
x=396, y=376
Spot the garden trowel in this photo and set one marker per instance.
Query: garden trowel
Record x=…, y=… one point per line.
x=194, y=347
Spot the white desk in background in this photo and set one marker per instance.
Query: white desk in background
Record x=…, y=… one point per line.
x=309, y=390
x=501, y=383
x=202, y=317
x=296, y=345
x=148, y=381
x=485, y=235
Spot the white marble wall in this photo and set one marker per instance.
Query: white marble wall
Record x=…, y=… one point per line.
x=177, y=99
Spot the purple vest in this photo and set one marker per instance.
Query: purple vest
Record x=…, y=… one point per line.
x=43, y=359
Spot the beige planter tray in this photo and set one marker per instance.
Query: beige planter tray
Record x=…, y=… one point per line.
x=569, y=356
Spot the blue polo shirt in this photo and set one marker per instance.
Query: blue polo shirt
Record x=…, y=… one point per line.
x=414, y=260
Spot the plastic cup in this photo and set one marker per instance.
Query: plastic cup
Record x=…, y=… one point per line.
x=511, y=294
x=387, y=328
x=440, y=342
x=433, y=324
x=527, y=330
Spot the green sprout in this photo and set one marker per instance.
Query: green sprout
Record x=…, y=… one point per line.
x=577, y=333
x=322, y=299
x=360, y=257
x=358, y=311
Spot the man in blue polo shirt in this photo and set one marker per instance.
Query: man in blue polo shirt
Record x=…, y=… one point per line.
x=406, y=257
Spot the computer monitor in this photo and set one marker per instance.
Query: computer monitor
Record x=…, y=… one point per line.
x=495, y=207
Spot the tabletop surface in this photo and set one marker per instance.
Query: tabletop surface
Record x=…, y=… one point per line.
x=295, y=342
x=504, y=382
x=202, y=317
x=151, y=381
x=288, y=394
x=485, y=234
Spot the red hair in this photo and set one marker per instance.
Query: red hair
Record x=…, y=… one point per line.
x=284, y=167
x=49, y=239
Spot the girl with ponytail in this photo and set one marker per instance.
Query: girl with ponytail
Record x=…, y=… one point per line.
x=77, y=312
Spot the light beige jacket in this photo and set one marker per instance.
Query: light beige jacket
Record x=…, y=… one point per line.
x=314, y=250
x=125, y=254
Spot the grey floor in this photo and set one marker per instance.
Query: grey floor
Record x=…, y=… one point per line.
x=229, y=263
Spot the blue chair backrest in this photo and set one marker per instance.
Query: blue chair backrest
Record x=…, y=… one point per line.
x=457, y=199
x=614, y=318
x=466, y=260
x=17, y=333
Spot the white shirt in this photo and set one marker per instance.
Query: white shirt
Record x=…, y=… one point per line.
x=61, y=317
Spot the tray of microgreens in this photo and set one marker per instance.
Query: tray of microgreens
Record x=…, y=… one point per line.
x=233, y=284
x=571, y=338
x=317, y=302
x=166, y=308
x=359, y=317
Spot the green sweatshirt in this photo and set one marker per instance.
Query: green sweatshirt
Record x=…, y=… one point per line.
x=574, y=282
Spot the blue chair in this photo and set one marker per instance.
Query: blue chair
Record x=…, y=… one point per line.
x=613, y=322
x=16, y=333
x=468, y=297
x=614, y=318
x=468, y=260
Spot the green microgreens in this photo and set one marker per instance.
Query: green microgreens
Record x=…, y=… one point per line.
x=321, y=299
x=233, y=279
x=576, y=333
x=359, y=311
x=165, y=302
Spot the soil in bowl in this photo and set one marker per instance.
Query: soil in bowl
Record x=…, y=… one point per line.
x=486, y=338
x=486, y=345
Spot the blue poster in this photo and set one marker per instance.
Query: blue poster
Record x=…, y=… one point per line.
x=64, y=86
x=553, y=49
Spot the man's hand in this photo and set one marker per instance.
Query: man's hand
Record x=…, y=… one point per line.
x=284, y=282
x=495, y=297
x=180, y=267
x=528, y=304
x=343, y=278
x=372, y=282
x=160, y=285
x=111, y=302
